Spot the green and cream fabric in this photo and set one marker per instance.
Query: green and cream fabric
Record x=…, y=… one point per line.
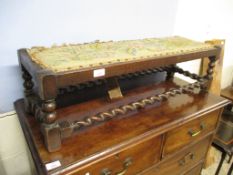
x=78, y=56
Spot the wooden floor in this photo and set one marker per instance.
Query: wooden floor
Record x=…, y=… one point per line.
x=211, y=170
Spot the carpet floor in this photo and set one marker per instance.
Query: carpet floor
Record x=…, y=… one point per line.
x=211, y=169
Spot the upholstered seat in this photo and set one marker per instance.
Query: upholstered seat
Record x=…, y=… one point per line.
x=79, y=56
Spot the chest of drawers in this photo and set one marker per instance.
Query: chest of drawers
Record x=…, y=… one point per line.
x=171, y=138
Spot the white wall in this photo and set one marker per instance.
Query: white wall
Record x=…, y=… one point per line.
x=204, y=20
x=29, y=23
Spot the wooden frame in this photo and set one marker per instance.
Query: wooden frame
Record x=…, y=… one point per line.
x=41, y=85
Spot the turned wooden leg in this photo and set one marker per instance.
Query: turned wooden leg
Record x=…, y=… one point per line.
x=209, y=74
x=170, y=73
x=48, y=108
x=49, y=127
x=210, y=70
x=28, y=90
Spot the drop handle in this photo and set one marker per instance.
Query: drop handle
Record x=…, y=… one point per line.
x=193, y=133
x=128, y=161
x=126, y=165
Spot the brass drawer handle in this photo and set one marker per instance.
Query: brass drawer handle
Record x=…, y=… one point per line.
x=186, y=159
x=193, y=133
x=127, y=163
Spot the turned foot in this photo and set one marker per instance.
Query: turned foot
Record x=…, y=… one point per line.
x=52, y=136
x=49, y=111
x=49, y=126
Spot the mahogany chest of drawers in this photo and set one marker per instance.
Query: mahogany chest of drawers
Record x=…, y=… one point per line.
x=171, y=138
x=116, y=108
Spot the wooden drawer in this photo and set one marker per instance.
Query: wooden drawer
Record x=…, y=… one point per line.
x=185, y=134
x=131, y=160
x=196, y=170
x=183, y=161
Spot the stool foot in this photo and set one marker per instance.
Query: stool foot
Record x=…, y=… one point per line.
x=52, y=136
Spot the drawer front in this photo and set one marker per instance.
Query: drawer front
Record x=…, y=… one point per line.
x=196, y=170
x=185, y=134
x=183, y=161
x=128, y=161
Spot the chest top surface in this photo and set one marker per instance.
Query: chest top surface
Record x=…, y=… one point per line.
x=78, y=56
